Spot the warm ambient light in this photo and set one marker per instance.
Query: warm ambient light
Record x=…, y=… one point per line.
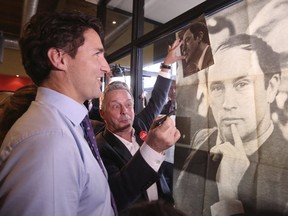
x=17, y=75
x=114, y=22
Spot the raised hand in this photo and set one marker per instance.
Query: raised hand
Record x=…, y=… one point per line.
x=172, y=56
x=232, y=167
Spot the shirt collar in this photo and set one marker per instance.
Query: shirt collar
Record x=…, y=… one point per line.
x=131, y=146
x=73, y=110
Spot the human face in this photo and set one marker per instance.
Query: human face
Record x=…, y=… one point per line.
x=190, y=45
x=118, y=112
x=87, y=68
x=237, y=94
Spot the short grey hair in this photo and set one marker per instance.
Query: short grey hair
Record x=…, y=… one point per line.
x=116, y=85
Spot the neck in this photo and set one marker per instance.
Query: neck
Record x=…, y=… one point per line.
x=67, y=88
x=262, y=127
x=125, y=134
x=201, y=48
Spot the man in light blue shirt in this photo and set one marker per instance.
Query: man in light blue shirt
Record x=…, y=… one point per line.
x=46, y=158
x=46, y=165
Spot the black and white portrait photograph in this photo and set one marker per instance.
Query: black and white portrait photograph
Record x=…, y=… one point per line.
x=232, y=157
x=195, y=47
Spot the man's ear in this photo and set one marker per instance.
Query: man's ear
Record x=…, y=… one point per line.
x=55, y=56
x=273, y=87
x=200, y=36
x=101, y=112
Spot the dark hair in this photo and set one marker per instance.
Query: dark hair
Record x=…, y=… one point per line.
x=269, y=60
x=153, y=208
x=60, y=30
x=198, y=27
x=14, y=106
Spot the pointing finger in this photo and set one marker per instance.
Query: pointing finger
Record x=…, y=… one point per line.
x=237, y=139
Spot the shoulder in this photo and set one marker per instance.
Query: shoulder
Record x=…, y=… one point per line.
x=106, y=142
x=98, y=126
x=200, y=139
x=43, y=127
x=208, y=57
x=275, y=145
x=101, y=140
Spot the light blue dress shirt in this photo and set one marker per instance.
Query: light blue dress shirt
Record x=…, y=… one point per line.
x=46, y=166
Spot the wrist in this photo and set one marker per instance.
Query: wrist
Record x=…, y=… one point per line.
x=165, y=66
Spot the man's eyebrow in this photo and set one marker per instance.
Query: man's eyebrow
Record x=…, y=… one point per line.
x=239, y=78
x=216, y=82
x=234, y=80
x=114, y=101
x=118, y=101
x=100, y=49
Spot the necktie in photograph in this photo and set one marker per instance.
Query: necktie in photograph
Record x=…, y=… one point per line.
x=90, y=137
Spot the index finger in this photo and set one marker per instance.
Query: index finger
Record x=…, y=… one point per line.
x=236, y=137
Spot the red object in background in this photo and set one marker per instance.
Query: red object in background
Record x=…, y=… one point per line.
x=12, y=83
x=143, y=135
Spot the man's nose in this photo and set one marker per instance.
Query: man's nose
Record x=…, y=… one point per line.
x=123, y=110
x=105, y=66
x=230, y=99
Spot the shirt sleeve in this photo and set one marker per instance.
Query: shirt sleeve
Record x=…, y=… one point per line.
x=153, y=158
x=165, y=74
x=47, y=176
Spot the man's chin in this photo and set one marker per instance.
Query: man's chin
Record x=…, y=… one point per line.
x=226, y=135
x=123, y=128
x=97, y=94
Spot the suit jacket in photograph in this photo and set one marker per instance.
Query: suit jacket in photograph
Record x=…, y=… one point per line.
x=192, y=67
x=263, y=189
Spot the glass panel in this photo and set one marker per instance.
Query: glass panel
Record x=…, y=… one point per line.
x=153, y=55
x=117, y=30
x=121, y=70
x=149, y=26
x=156, y=12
